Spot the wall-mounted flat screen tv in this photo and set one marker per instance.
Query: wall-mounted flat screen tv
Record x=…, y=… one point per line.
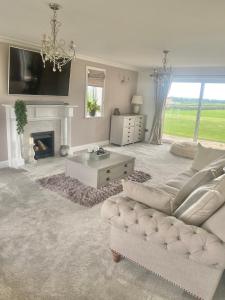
x=27, y=75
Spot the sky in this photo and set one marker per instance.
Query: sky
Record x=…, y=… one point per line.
x=213, y=91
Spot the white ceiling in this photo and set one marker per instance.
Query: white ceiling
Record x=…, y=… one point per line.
x=132, y=32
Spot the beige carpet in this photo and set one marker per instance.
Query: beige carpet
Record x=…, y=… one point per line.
x=51, y=248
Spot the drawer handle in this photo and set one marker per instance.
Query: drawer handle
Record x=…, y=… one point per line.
x=108, y=178
x=128, y=136
x=125, y=165
x=129, y=119
x=108, y=171
x=125, y=172
x=129, y=123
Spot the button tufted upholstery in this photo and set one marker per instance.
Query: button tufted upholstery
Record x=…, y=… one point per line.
x=167, y=232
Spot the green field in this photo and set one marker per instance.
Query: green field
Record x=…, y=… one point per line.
x=181, y=122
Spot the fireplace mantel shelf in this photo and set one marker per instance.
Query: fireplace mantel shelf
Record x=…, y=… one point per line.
x=43, y=111
x=44, y=105
x=37, y=113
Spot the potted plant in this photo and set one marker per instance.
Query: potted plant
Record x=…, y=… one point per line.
x=21, y=119
x=92, y=107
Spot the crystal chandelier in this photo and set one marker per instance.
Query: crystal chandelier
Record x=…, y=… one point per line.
x=53, y=50
x=164, y=70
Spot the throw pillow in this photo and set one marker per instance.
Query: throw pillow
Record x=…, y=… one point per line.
x=152, y=196
x=217, y=166
x=202, y=202
x=204, y=156
x=215, y=224
x=200, y=178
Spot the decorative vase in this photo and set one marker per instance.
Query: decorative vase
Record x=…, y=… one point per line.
x=63, y=151
x=31, y=155
x=92, y=113
x=116, y=111
x=21, y=145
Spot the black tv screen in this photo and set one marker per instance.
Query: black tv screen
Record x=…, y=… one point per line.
x=27, y=75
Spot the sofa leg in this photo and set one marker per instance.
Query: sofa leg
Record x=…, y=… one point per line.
x=116, y=256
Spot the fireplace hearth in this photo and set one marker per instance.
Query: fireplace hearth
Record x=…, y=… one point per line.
x=43, y=144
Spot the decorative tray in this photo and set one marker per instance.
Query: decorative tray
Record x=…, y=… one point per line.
x=95, y=156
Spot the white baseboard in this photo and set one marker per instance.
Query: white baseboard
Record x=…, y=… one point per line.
x=19, y=163
x=86, y=146
x=4, y=164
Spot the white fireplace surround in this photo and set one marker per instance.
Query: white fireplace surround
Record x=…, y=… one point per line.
x=37, y=113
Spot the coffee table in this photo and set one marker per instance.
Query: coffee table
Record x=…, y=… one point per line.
x=97, y=173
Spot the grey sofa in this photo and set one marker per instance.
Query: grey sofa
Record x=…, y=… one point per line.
x=191, y=257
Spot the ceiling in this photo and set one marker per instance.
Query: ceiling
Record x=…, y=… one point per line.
x=130, y=32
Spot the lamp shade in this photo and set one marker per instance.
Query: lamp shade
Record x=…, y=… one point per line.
x=137, y=99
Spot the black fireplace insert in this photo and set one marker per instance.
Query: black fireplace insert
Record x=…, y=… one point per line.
x=43, y=144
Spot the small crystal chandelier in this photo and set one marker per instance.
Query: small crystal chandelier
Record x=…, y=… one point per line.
x=53, y=50
x=164, y=70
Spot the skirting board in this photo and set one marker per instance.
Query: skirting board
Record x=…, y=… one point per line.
x=4, y=164
x=83, y=147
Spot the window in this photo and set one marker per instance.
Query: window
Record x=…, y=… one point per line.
x=95, y=88
x=181, y=109
x=196, y=110
x=212, y=118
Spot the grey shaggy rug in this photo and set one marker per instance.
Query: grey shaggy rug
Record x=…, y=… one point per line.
x=82, y=194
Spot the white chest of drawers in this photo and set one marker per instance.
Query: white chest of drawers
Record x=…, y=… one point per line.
x=127, y=129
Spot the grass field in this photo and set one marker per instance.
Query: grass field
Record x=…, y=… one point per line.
x=180, y=122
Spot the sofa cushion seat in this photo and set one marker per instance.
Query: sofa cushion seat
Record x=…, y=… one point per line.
x=181, y=179
x=167, y=232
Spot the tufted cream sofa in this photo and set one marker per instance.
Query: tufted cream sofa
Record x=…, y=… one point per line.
x=188, y=256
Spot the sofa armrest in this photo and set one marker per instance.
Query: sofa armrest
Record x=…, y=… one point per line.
x=167, y=232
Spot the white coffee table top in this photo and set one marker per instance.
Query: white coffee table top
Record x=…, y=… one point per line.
x=83, y=158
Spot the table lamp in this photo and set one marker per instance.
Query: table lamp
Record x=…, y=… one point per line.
x=136, y=102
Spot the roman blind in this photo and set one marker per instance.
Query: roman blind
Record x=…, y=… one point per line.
x=96, y=78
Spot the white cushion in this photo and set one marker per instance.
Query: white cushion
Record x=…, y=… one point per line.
x=215, y=224
x=205, y=156
x=184, y=149
x=152, y=196
x=217, y=166
x=202, y=202
x=200, y=178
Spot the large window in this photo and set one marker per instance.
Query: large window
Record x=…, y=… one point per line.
x=196, y=110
